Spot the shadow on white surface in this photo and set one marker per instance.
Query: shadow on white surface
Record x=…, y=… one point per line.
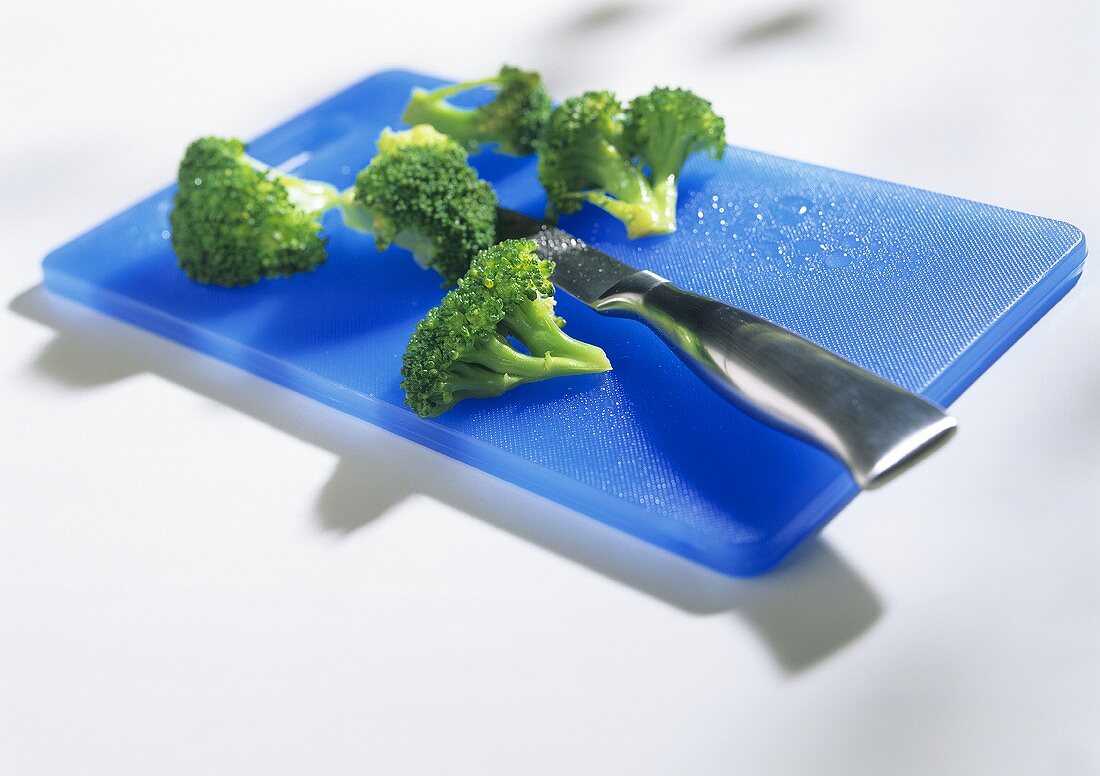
x=779, y=26
x=809, y=608
x=603, y=17
x=570, y=50
x=773, y=24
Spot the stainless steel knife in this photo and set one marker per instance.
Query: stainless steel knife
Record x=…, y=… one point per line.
x=876, y=428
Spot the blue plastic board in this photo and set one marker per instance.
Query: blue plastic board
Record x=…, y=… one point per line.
x=924, y=289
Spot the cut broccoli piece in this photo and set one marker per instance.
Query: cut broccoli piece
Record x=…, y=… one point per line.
x=665, y=127
x=421, y=194
x=236, y=221
x=462, y=349
x=583, y=158
x=591, y=150
x=512, y=120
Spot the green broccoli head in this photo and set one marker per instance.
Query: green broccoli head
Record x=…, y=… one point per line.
x=234, y=222
x=512, y=119
x=423, y=195
x=666, y=126
x=591, y=150
x=583, y=157
x=462, y=349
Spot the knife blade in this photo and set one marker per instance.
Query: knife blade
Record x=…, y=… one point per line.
x=875, y=428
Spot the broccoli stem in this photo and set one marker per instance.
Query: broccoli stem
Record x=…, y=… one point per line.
x=497, y=355
x=318, y=196
x=666, y=193
x=354, y=214
x=641, y=219
x=431, y=107
x=422, y=247
x=618, y=176
x=535, y=325
x=310, y=196
x=468, y=381
x=459, y=123
x=632, y=200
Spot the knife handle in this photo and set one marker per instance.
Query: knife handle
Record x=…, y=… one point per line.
x=874, y=427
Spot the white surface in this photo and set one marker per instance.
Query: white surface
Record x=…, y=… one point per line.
x=203, y=573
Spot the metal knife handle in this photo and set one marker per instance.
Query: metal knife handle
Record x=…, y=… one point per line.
x=875, y=427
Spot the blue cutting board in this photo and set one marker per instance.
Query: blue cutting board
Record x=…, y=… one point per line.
x=924, y=289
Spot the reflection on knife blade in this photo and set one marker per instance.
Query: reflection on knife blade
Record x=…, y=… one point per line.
x=580, y=270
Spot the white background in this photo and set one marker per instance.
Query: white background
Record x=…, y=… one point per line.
x=203, y=573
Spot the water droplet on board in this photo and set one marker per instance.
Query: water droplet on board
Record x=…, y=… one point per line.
x=791, y=210
x=766, y=249
x=808, y=247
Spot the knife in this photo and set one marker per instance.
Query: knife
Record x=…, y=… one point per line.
x=877, y=429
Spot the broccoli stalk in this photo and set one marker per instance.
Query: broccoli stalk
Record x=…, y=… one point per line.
x=462, y=349
x=309, y=196
x=319, y=197
x=431, y=107
x=236, y=221
x=512, y=119
x=509, y=367
x=534, y=323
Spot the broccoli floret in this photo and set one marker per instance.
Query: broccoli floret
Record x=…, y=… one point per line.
x=583, y=157
x=462, y=349
x=665, y=127
x=512, y=119
x=236, y=221
x=421, y=194
x=591, y=150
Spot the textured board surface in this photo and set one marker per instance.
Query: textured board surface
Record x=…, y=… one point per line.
x=924, y=289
